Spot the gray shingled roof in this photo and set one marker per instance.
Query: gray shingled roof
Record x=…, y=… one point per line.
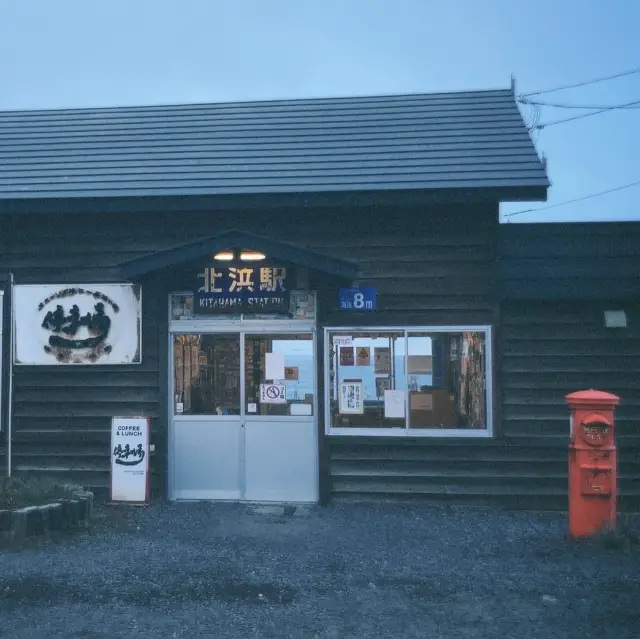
x=432, y=141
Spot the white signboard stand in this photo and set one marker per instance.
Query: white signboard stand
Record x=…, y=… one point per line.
x=130, y=460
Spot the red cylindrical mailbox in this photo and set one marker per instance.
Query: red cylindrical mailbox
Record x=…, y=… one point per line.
x=593, y=468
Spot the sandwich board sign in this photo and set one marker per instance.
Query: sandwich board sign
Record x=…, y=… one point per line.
x=129, y=460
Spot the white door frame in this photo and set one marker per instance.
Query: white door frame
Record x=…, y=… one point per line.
x=242, y=328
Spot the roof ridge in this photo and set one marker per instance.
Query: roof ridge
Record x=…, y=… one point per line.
x=265, y=102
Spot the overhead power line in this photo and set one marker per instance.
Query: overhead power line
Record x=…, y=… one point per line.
x=582, y=84
x=578, y=199
x=556, y=105
x=545, y=125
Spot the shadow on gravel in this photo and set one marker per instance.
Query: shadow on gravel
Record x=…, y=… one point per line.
x=145, y=592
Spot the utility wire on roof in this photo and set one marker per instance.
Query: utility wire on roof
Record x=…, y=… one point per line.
x=581, y=84
x=578, y=199
x=556, y=105
x=545, y=125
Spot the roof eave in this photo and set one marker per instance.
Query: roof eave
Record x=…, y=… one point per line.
x=192, y=251
x=341, y=199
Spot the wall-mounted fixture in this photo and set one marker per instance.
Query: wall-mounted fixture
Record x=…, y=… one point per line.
x=244, y=255
x=251, y=256
x=615, y=319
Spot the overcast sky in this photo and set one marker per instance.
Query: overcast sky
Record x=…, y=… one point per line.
x=73, y=53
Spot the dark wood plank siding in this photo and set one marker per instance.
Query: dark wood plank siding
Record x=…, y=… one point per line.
x=596, y=260
x=62, y=414
x=553, y=348
x=430, y=267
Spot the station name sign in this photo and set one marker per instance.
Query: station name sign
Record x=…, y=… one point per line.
x=242, y=289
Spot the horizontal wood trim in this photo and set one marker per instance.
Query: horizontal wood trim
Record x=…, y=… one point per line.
x=67, y=377
x=473, y=250
x=89, y=395
x=92, y=409
x=559, y=382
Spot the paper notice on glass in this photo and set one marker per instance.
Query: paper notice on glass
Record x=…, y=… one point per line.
x=351, y=399
x=382, y=360
x=420, y=364
x=273, y=394
x=382, y=384
x=363, y=355
x=346, y=356
x=421, y=401
x=300, y=410
x=393, y=404
x=274, y=366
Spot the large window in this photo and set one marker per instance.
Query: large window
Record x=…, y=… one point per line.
x=409, y=381
x=278, y=376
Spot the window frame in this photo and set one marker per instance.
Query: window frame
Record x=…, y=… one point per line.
x=442, y=433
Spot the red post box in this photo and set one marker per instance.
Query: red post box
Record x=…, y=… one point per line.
x=593, y=468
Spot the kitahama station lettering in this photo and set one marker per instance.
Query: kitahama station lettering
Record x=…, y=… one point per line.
x=239, y=280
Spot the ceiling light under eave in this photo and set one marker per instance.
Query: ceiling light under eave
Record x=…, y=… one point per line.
x=224, y=256
x=252, y=256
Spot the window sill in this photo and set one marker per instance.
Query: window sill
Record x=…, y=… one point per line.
x=442, y=433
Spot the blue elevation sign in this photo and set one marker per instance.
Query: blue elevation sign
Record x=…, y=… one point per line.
x=358, y=299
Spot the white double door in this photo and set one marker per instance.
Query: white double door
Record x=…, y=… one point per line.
x=228, y=441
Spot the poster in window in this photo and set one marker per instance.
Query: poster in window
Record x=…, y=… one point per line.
x=382, y=359
x=364, y=356
x=346, y=356
x=420, y=364
x=394, y=404
x=291, y=373
x=351, y=399
x=382, y=384
x=274, y=366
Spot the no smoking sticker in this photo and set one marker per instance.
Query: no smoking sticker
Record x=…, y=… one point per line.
x=273, y=394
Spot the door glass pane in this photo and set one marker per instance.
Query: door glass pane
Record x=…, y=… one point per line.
x=363, y=365
x=447, y=380
x=206, y=374
x=279, y=375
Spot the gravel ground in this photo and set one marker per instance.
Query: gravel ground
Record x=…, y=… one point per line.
x=374, y=571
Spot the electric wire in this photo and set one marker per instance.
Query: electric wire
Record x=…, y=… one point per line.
x=577, y=199
x=557, y=105
x=545, y=125
x=582, y=84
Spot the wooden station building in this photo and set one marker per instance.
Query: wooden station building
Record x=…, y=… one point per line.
x=310, y=299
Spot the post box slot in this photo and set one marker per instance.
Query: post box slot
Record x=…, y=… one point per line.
x=596, y=481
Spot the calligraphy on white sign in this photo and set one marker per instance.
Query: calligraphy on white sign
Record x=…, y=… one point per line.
x=81, y=324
